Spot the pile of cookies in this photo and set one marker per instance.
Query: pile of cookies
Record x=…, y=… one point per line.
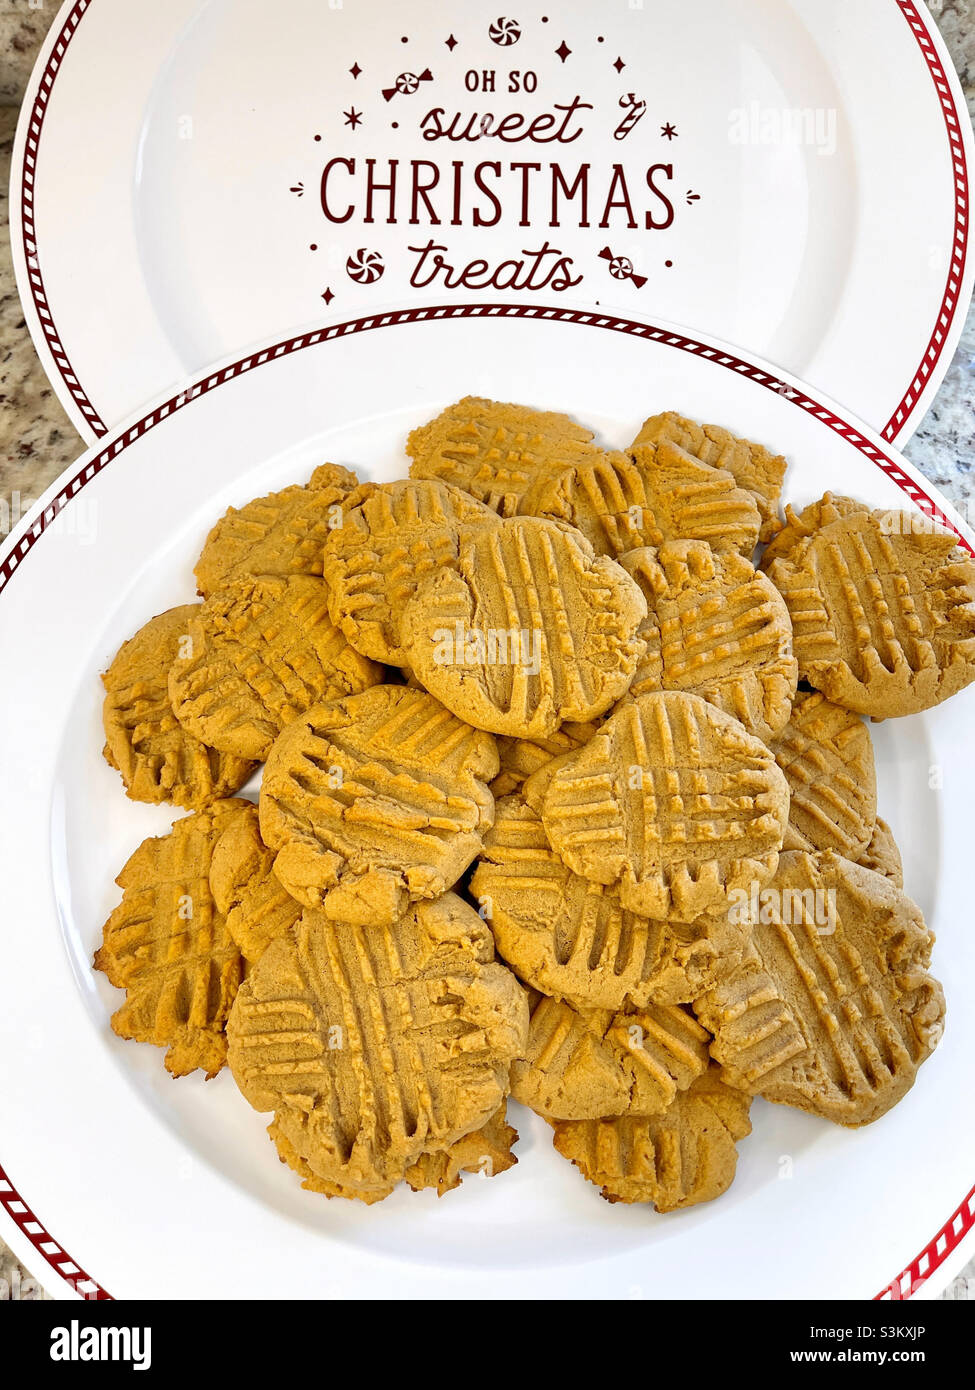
x=563, y=798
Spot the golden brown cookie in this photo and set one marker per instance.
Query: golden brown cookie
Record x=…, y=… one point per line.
x=673, y=801
x=685, y=1156
x=812, y=518
x=167, y=945
x=376, y=801
x=486, y=1152
x=245, y=889
x=583, y=1065
x=376, y=1047
x=752, y=466
x=282, y=533
x=500, y=453
x=531, y=630
x=160, y=760
x=262, y=651
x=654, y=493
x=827, y=756
x=392, y=537
x=717, y=629
x=883, y=617
x=882, y=854
x=831, y=1008
x=572, y=939
x=521, y=758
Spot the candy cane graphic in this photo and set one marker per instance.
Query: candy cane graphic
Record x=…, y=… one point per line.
x=635, y=111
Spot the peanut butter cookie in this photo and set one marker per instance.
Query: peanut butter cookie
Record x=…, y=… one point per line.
x=282, y=533
x=573, y=939
x=160, y=760
x=717, y=629
x=582, y=1065
x=390, y=538
x=654, y=493
x=262, y=651
x=831, y=1008
x=827, y=756
x=168, y=947
x=672, y=801
x=376, y=801
x=883, y=615
x=376, y=1047
x=531, y=630
x=502, y=454
x=752, y=466
x=685, y=1156
x=245, y=889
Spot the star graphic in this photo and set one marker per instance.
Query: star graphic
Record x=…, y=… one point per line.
x=563, y=50
x=451, y=43
x=668, y=131
x=355, y=70
x=352, y=117
x=619, y=65
x=328, y=296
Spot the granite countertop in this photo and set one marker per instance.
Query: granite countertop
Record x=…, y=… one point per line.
x=37, y=441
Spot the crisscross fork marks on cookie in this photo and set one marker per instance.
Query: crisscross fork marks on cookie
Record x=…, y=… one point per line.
x=684, y=1156
x=583, y=1064
x=499, y=453
x=376, y=800
x=375, y=1047
x=854, y=1059
x=282, y=533
x=538, y=630
x=827, y=757
x=168, y=946
x=675, y=803
x=392, y=536
x=835, y=1016
x=622, y=502
x=884, y=619
x=709, y=640
x=673, y=800
x=573, y=939
x=752, y=466
x=717, y=629
x=158, y=759
x=263, y=651
x=382, y=1079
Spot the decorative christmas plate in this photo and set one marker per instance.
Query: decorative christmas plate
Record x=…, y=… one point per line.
x=116, y=1179
x=192, y=178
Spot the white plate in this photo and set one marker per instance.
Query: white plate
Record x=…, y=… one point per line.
x=162, y=1188
x=169, y=160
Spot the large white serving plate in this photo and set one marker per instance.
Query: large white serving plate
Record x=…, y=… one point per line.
x=810, y=159
x=153, y=1187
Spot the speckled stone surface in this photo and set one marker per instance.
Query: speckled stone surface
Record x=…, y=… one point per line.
x=37, y=441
